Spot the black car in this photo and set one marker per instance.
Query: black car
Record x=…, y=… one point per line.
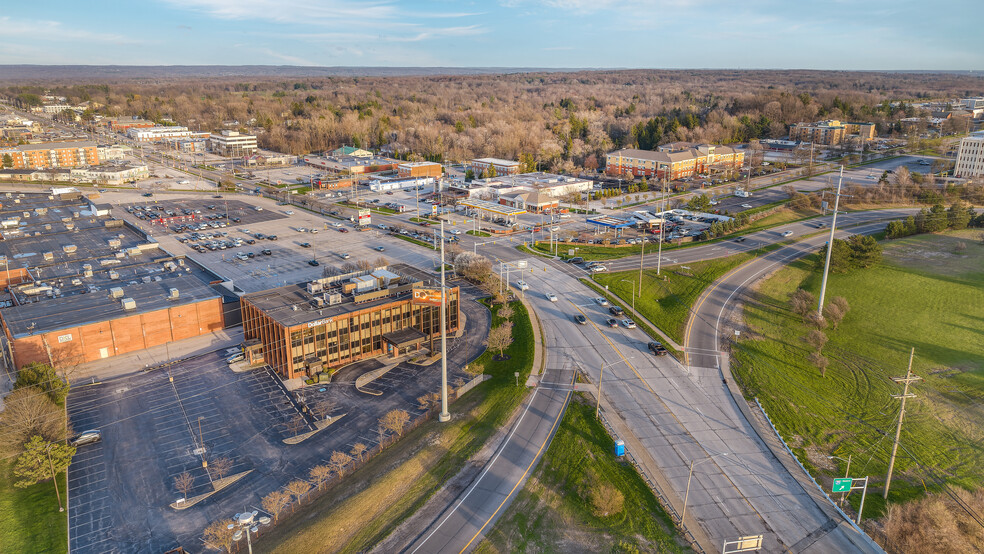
x=305, y=245
x=658, y=349
x=580, y=319
x=265, y=252
x=740, y=239
x=616, y=310
x=272, y=237
x=314, y=263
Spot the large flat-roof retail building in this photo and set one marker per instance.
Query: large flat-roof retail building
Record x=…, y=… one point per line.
x=78, y=285
x=305, y=329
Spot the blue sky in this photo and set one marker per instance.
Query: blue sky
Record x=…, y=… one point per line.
x=811, y=34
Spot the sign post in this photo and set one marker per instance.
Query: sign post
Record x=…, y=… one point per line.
x=847, y=484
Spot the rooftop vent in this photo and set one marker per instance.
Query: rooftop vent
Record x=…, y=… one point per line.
x=173, y=294
x=128, y=304
x=116, y=292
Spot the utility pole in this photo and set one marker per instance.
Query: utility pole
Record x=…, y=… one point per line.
x=444, y=415
x=830, y=245
x=662, y=231
x=909, y=378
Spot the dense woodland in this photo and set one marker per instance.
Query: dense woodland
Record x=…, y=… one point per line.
x=563, y=120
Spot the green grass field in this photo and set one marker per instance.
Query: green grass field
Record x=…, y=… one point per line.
x=415, y=241
x=475, y=233
x=928, y=294
x=368, y=504
x=553, y=512
x=667, y=302
x=29, y=518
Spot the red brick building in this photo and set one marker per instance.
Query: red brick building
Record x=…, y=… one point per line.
x=53, y=154
x=673, y=161
x=419, y=169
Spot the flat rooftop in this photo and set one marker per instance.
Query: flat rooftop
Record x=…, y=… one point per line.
x=82, y=309
x=293, y=305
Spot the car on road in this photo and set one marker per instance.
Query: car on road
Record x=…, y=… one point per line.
x=522, y=285
x=551, y=297
x=336, y=224
x=787, y=233
x=628, y=323
x=601, y=301
x=148, y=194
x=746, y=206
x=580, y=319
x=616, y=310
x=658, y=349
x=612, y=322
x=86, y=437
x=305, y=245
x=380, y=249
x=455, y=231
x=741, y=239
x=575, y=260
x=923, y=162
x=597, y=268
x=343, y=230
x=821, y=224
x=313, y=263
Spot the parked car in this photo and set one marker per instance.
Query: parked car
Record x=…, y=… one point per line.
x=580, y=319
x=612, y=322
x=236, y=358
x=616, y=311
x=86, y=437
x=658, y=349
x=313, y=263
x=787, y=233
x=380, y=249
x=266, y=252
x=305, y=245
x=628, y=323
x=343, y=256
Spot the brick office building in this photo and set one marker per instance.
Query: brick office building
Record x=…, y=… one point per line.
x=303, y=329
x=419, y=169
x=673, y=161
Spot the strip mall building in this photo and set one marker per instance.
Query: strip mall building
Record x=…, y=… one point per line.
x=305, y=329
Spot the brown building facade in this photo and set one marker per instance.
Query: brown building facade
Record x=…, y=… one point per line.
x=419, y=169
x=55, y=154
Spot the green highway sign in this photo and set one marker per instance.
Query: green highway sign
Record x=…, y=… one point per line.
x=842, y=485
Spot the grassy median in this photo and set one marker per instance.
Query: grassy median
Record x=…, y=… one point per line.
x=927, y=293
x=367, y=505
x=29, y=517
x=581, y=498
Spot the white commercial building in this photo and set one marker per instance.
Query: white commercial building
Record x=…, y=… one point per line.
x=110, y=174
x=232, y=144
x=154, y=134
x=383, y=185
x=970, y=156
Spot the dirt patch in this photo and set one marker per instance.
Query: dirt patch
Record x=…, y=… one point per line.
x=819, y=459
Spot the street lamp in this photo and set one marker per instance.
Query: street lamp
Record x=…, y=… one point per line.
x=847, y=472
x=600, y=377
x=633, y=290
x=245, y=524
x=686, y=497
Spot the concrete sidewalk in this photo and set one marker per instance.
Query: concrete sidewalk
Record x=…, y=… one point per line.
x=127, y=364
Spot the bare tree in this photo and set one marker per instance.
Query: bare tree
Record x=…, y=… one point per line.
x=295, y=424
x=428, y=401
x=297, y=488
x=220, y=466
x=380, y=262
x=817, y=359
x=358, y=451
x=322, y=408
x=363, y=265
x=320, y=475
x=506, y=312
x=218, y=535
x=500, y=337
x=339, y=461
x=29, y=412
x=802, y=302
x=395, y=421
x=184, y=482
x=816, y=339
x=275, y=502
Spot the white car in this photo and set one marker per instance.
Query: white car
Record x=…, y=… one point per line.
x=628, y=324
x=787, y=233
x=597, y=268
x=551, y=297
x=336, y=224
x=289, y=212
x=455, y=231
x=521, y=285
x=746, y=206
x=601, y=301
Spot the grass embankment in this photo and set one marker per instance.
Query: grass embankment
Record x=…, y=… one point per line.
x=559, y=508
x=367, y=505
x=667, y=301
x=475, y=233
x=927, y=293
x=29, y=518
x=371, y=207
x=415, y=241
x=424, y=220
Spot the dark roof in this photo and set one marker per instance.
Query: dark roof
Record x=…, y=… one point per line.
x=73, y=311
x=404, y=337
x=58, y=145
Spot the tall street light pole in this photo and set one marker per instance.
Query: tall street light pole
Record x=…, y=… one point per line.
x=444, y=415
x=830, y=245
x=633, y=288
x=686, y=497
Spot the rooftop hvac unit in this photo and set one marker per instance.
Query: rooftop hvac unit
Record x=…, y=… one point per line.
x=27, y=215
x=113, y=274
x=48, y=256
x=314, y=287
x=76, y=282
x=335, y=298
x=114, y=243
x=319, y=302
x=87, y=270
x=70, y=248
x=128, y=304
x=116, y=292
x=173, y=294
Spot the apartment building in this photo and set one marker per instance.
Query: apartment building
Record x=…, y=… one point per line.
x=831, y=131
x=970, y=156
x=501, y=167
x=157, y=134
x=52, y=154
x=674, y=161
x=232, y=144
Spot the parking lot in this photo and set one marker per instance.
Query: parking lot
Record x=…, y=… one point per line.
x=163, y=422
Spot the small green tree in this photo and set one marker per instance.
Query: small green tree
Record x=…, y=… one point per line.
x=958, y=215
x=699, y=203
x=8, y=161
x=469, y=175
x=45, y=379
x=40, y=461
x=865, y=250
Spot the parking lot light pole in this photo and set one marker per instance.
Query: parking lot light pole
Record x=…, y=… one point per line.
x=444, y=415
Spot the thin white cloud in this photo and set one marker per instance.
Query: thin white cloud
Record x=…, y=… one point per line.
x=56, y=31
x=292, y=60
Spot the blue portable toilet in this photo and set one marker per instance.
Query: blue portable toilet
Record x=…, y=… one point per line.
x=620, y=448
